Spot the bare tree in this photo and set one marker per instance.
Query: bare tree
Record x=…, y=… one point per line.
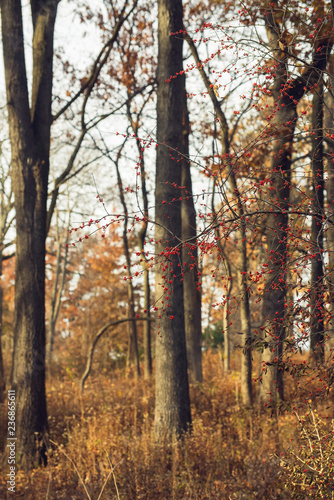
x=59, y=278
x=172, y=404
x=134, y=122
x=6, y=221
x=225, y=141
x=317, y=309
x=191, y=290
x=29, y=130
x=288, y=93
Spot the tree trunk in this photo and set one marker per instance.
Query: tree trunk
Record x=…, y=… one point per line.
x=133, y=352
x=4, y=227
x=30, y=143
x=246, y=358
x=147, y=289
x=246, y=364
x=275, y=289
x=226, y=321
x=317, y=307
x=274, y=296
x=141, y=240
x=228, y=287
x=172, y=405
x=287, y=95
x=191, y=292
x=147, y=325
x=227, y=341
x=2, y=372
x=329, y=124
x=58, y=285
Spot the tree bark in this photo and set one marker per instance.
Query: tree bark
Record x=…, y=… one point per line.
x=287, y=95
x=2, y=371
x=5, y=224
x=317, y=306
x=226, y=321
x=133, y=352
x=147, y=324
x=172, y=406
x=59, y=283
x=30, y=143
x=191, y=291
x=147, y=288
x=227, y=339
x=141, y=241
x=329, y=124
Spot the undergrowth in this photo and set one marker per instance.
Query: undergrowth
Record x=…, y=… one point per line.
x=102, y=445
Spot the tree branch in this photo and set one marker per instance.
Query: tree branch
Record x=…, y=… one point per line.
x=95, y=341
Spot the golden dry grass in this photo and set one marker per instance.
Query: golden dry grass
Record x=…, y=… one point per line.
x=107, y=436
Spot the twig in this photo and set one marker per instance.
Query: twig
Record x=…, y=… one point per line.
x=113, y=473
x=70, y=459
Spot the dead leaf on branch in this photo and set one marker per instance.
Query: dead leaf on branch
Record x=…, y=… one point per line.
x=215, y=89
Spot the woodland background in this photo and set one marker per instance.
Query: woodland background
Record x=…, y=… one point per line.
x=167, y=248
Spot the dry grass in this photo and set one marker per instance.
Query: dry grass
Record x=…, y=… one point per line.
x=105, y=449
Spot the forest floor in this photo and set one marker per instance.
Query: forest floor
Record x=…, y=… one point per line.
x=103, y=446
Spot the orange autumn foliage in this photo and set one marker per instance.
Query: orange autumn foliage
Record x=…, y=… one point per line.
x=94, y=294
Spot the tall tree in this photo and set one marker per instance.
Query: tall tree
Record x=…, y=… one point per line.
x=133, y=352
x=317, y=271
x=59, y=280
x=6, y=220
x=329, y=120
x=287, y=93
x=134, y=122
x=172, y=406
x=29, y=129
x=226, y=140
x=191, y=290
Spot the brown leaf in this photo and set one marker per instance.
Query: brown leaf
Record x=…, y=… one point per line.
x=215, y=87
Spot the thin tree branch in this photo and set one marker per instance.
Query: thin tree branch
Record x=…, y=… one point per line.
x=95, y=341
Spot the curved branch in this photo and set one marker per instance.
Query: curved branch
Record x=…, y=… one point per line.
x=95, y=341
